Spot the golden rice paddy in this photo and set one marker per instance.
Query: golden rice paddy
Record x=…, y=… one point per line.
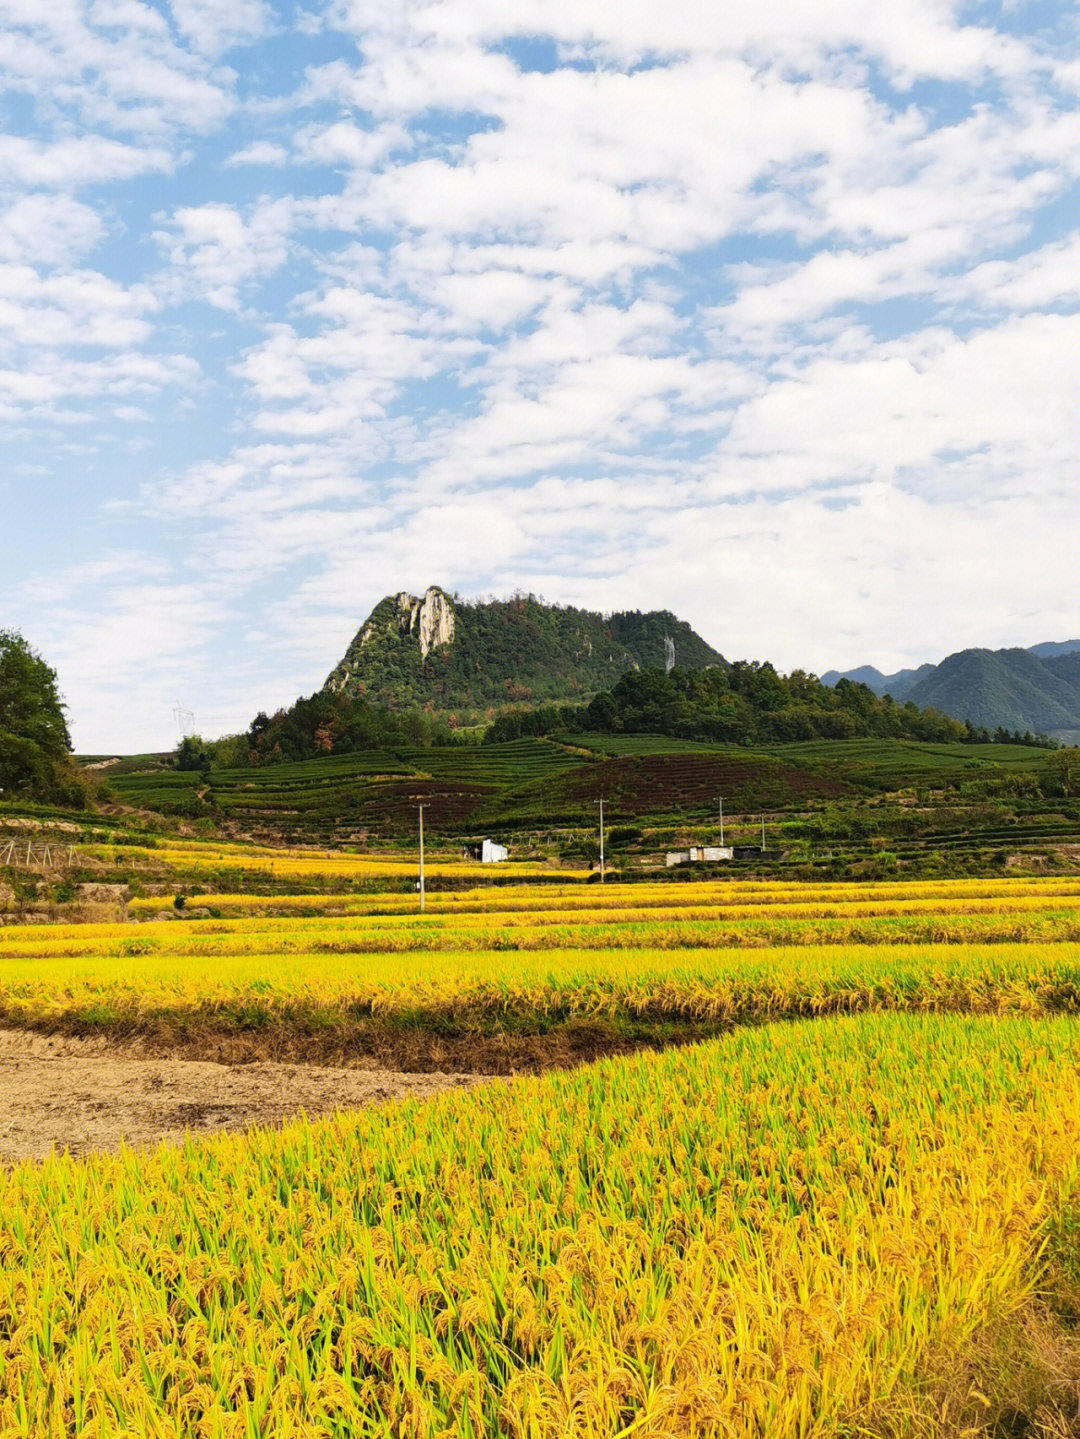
x=851, y=1214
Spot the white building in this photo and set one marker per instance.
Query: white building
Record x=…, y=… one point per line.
x=492, y=853
x=699, y=854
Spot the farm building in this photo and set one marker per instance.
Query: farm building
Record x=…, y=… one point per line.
x=698, y=854
x=487, y=852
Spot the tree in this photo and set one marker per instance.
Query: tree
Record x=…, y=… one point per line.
x=1065, y=766
x=35, y=758
x=192, y=753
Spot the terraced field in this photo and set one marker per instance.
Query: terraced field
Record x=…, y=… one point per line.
x=880, y=763
x=372, y=789
x=634, y=963
x=833, y=805
x=848, y=1209
x=894, y=763
x=188, y=860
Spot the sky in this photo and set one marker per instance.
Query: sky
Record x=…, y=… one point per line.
x=766, y=314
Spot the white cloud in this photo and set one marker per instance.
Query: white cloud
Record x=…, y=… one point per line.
x=730, y=312
x=45, y=229
x=214, y=26
x=1039, y=279
x=79, y=308
x=79, y=161
x=110, y=64
x=259, y=152
x=214, y=251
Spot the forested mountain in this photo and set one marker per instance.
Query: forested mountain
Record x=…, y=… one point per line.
x=471, y=659
x=422, y=667
x=1035, y=689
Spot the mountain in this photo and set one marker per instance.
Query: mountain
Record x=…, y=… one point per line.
x=1034, y=689
x=472, y=658
x=898, y=684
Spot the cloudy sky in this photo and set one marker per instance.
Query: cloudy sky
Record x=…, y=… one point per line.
x=765, y=313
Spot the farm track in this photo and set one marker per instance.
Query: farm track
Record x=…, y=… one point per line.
x=87, y=1095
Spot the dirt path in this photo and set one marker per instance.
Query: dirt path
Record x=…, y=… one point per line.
x=82, y=1095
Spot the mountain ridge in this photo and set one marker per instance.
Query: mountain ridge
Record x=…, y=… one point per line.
x=1036, y=689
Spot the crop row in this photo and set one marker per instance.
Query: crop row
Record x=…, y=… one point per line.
x=511, y=762
x=449, y=935
x=729, y=896
x=297, y=863
x=321, y=993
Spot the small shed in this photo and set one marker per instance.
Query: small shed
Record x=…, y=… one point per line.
x=492, y=853
x=699, y=854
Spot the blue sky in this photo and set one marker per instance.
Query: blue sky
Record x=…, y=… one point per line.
x=766, y=314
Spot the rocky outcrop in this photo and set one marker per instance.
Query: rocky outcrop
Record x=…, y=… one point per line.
x=427, y=618
x=103, y=893
x=431, y=619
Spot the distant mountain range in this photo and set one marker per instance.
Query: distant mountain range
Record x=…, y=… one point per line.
x=473, y=658
x=1035, y=689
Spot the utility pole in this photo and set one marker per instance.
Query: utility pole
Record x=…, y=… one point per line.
x=721, y=821
x=763, y=834
x=601, y=841
x=421, y=813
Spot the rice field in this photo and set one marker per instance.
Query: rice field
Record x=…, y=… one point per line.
x=191, y=858
x=830, y=1229
x=637, y=959
x=849, y=1208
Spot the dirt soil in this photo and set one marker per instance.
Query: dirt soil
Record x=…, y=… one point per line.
x=83, y=1095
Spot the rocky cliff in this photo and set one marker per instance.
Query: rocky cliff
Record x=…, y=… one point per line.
x=429, y=619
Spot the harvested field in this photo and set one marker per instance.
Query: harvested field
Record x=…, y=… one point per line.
x=85, y=1095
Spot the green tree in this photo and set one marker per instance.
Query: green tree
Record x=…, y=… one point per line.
x=1065, y=767
x=35, y=758
x=192, y=753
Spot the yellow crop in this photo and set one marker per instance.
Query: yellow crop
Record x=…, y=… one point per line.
x=800, y=1231
x=712, y=898
x=301, y=864
x=180, y=995
x=621, y=917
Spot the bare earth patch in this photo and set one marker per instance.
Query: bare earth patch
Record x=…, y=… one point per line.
x=83, y=1095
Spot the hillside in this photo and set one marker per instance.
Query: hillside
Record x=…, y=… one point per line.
x=1035, y=689
x=472, y=658
x=1008, y=688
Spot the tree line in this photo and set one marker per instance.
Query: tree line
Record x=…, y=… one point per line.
x=746, y=703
